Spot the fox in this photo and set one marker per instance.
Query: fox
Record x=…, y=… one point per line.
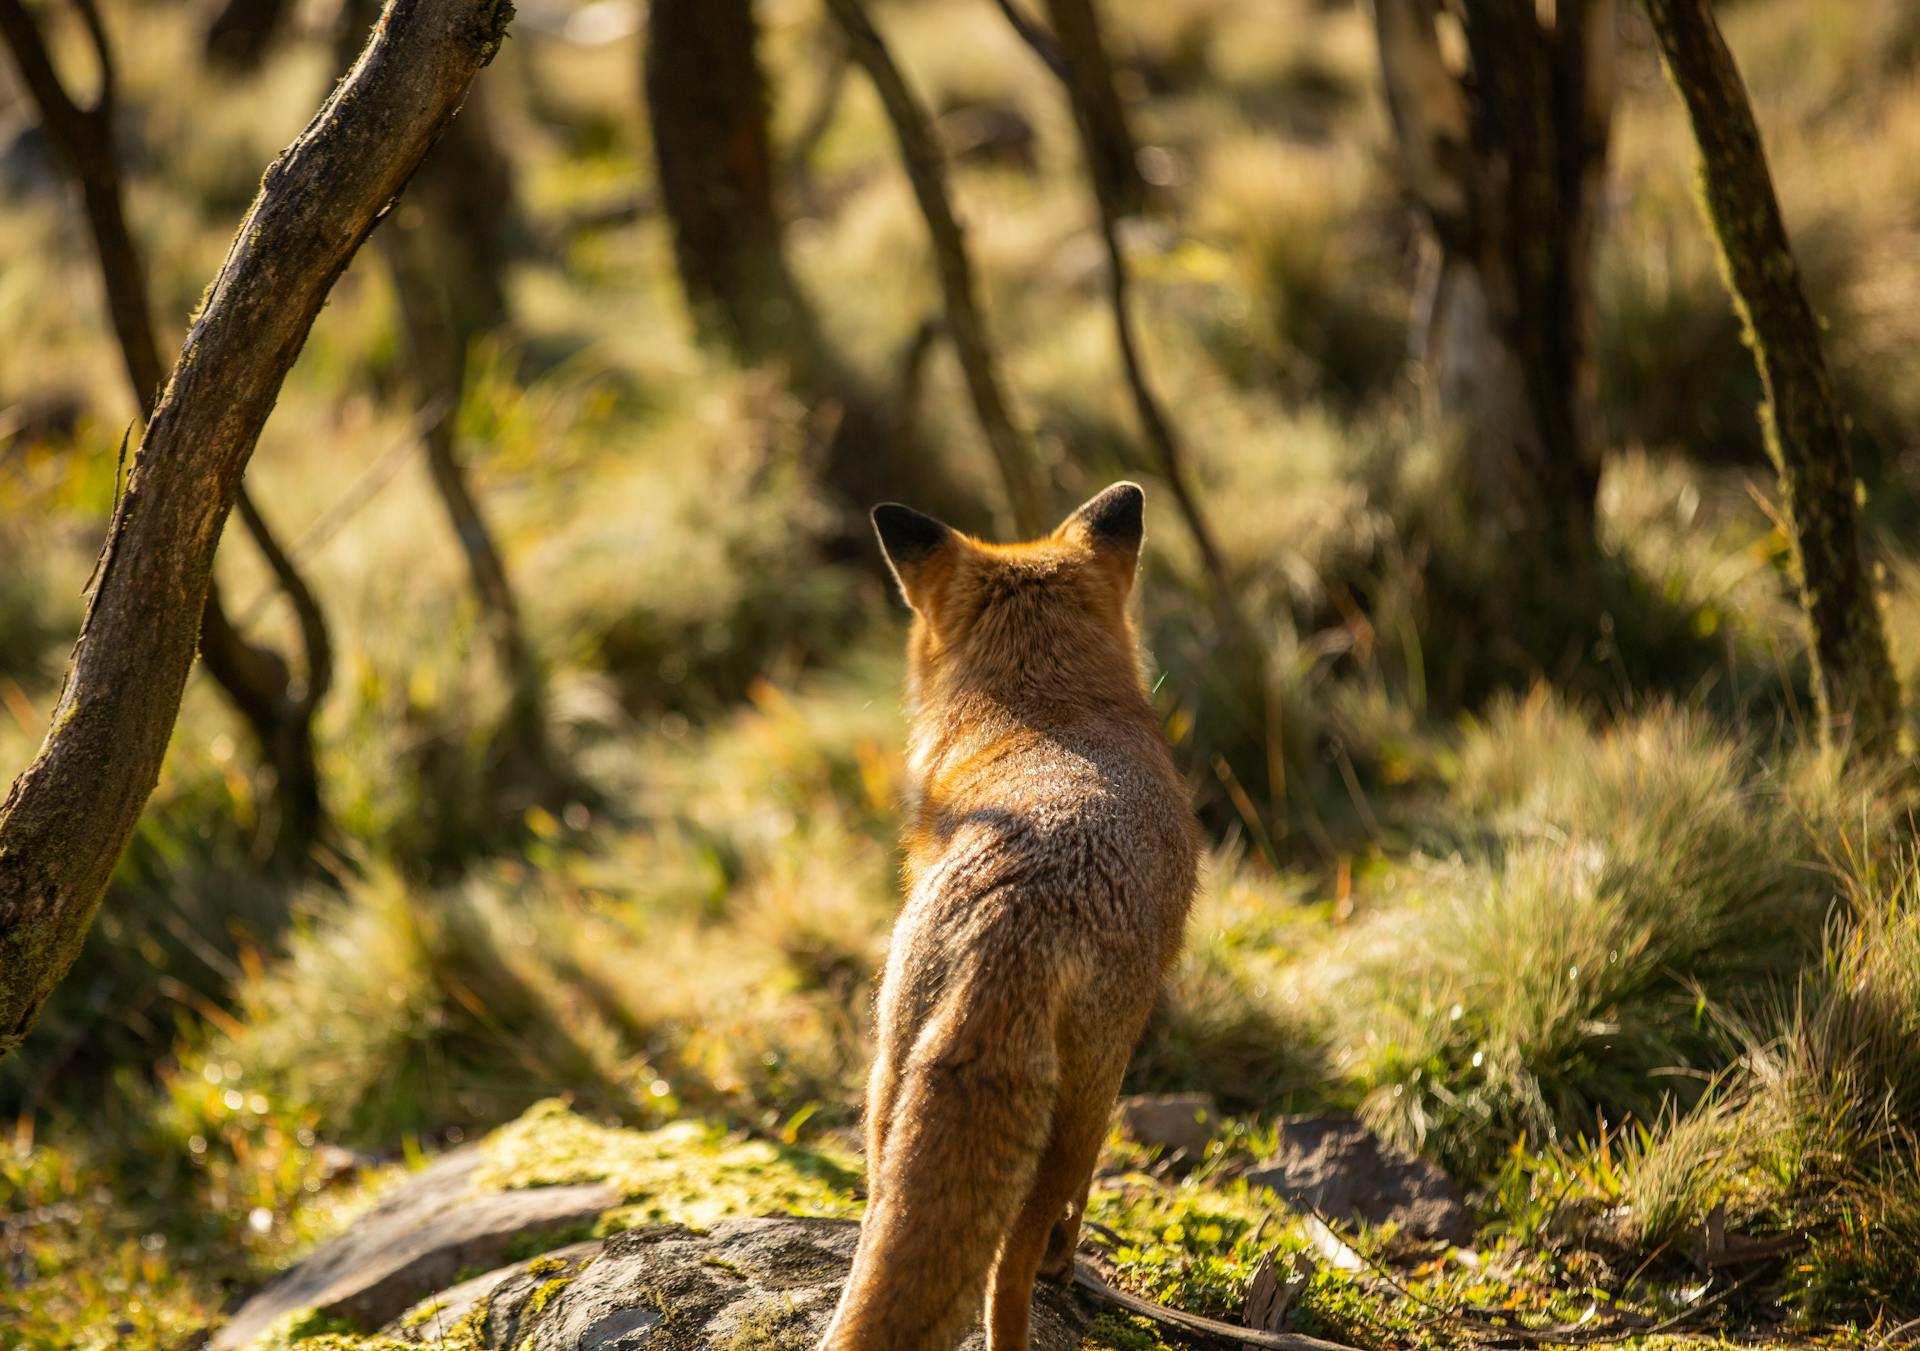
x=1050, y=860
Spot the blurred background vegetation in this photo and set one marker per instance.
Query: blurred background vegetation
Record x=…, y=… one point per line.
x=1542, y=869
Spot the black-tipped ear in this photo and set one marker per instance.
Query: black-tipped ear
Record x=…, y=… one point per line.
x=1114, y=519
x=911, y=540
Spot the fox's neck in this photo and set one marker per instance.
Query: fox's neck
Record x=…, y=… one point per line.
x=956, y=719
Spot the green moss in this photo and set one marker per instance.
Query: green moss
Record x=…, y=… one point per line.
x=686, y=1173
x=420, y=1315
x=773, y=1325
x=543, y=1293
x=468, y=1333
x=1124, y=1332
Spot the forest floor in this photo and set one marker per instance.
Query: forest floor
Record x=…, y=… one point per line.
x=1549, y=886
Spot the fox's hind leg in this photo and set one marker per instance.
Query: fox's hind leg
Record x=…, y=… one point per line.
x=1061, y=1182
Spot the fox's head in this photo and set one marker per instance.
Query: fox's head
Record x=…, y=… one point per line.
x=1049, y=615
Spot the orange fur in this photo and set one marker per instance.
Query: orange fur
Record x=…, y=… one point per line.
x=1050, y=863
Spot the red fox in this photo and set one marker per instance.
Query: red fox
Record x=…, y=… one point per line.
x=1051, y=851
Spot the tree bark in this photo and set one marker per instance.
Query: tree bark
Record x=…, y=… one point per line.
x=927, y=171
x=706, y=101
x=707, y=108
x=1800, y=417
x=255, y=679
x=1506, y=162
x=69, y=815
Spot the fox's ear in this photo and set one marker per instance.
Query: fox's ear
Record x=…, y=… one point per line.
x=1111, y=523
x=914, y=544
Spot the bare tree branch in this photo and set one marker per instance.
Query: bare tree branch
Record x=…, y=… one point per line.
x=927, y=170
x=69, y=815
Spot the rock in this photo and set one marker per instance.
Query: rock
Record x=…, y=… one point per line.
x=1333, y=1164
x=745, y=1284
x=1171, y=1120
x=418, y=1239
x=431, y=1320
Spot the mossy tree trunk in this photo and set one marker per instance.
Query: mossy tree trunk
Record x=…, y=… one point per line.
x=67, y=818
x=277, y=706
x=1805, y=431
x=1505, y=160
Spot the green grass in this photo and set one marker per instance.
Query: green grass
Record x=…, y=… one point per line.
x=1545, y=882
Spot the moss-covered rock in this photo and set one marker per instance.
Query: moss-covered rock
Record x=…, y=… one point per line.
x=501, y=1206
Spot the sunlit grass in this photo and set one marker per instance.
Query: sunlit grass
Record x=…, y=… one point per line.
x=1633, y=959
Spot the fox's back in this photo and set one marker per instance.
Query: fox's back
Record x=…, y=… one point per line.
x=1066, y=854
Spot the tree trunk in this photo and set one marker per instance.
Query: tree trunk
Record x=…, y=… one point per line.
x=1506, y=162
x=1098, y=114
x=707, y=107
x=69, y=815
x=927, y=171
x=1805, y=431
x=706, y=101
x=255, y=679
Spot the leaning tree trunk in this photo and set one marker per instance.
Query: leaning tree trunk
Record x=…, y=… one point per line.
x=966, y=325
x=1505, y=162
x=69, y=815
x=1853, y=681
x=277, y=708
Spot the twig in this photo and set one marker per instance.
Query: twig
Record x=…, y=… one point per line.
x=313, y=625
x=1096, y=1286
x=349, y=504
